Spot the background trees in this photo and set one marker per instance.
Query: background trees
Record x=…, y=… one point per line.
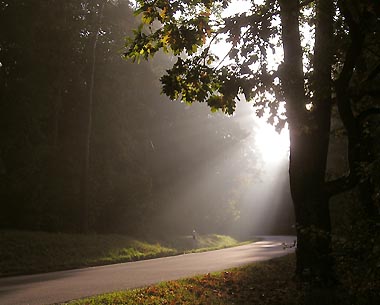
x=319, y=71
x=152, y=163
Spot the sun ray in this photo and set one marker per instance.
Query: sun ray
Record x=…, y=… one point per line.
x=273, y=146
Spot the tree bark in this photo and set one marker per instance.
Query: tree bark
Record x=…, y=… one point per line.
x=309, y=134
x=85, y=184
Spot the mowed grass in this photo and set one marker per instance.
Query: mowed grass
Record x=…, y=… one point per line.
x=262, y=283
x=24, y=252
x=187, y=244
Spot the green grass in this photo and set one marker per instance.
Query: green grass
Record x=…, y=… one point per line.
x=265, y=283
x=260, y=283
x=187, y=244
x=33, y=252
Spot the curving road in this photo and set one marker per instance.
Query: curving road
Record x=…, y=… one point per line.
x=57, y=287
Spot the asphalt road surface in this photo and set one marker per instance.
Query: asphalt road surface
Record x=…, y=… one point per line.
x=58, y=287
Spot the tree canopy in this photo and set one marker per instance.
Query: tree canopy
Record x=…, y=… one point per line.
x=142, y=152
x=328, y=60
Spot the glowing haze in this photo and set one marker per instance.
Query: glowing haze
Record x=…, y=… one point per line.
x=273, y=146
x=264, y=198
x=270, y=196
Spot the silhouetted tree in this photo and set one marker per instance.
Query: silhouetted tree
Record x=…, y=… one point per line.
x=315, y=73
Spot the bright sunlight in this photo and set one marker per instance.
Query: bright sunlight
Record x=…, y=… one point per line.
x=274, y=147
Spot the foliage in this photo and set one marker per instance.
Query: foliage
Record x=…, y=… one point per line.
x=356, y=248
x=139, y=145
x=201, y=75
x=335, y=64
x=358, y=262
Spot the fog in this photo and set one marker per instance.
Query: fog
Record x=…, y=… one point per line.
x=155, y=166
x=248, y=189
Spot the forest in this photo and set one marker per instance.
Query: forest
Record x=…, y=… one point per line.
x=88, y=143
x=97, y=136
x=313, y=65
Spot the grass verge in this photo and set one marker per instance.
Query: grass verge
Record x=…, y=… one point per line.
x=265, y=283
x=33, y=252
x=186, y=244
x=260, y=283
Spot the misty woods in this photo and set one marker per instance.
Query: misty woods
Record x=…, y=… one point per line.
x=89, y=144
x=328, y=70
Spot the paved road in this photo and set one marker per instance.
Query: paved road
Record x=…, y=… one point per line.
x=57, y=287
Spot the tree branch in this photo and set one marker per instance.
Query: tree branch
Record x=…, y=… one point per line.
x=344, y=105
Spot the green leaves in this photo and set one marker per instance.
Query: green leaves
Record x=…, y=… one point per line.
x=189, y=82
x=173, y=26
x=188, y=29
x=192, y=80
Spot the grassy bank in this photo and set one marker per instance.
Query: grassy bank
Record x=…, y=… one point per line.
x=32, y=252
x=187, y=244
x=261, y=283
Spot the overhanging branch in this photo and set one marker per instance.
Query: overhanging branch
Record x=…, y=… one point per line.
x=350, y=122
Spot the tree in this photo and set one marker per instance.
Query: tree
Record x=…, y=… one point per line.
x=85, y=183
x=30, y=115
x=315, y=75
x=45, y=79
x=47, y=74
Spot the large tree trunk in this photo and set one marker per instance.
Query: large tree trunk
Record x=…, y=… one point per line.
x=309, y=134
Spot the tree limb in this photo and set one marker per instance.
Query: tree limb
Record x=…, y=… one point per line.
x=344, y=105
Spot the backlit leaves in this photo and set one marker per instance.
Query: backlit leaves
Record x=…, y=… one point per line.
x=188, y=28
x=199, y=82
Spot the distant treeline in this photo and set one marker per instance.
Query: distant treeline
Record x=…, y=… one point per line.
x=150, y=160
